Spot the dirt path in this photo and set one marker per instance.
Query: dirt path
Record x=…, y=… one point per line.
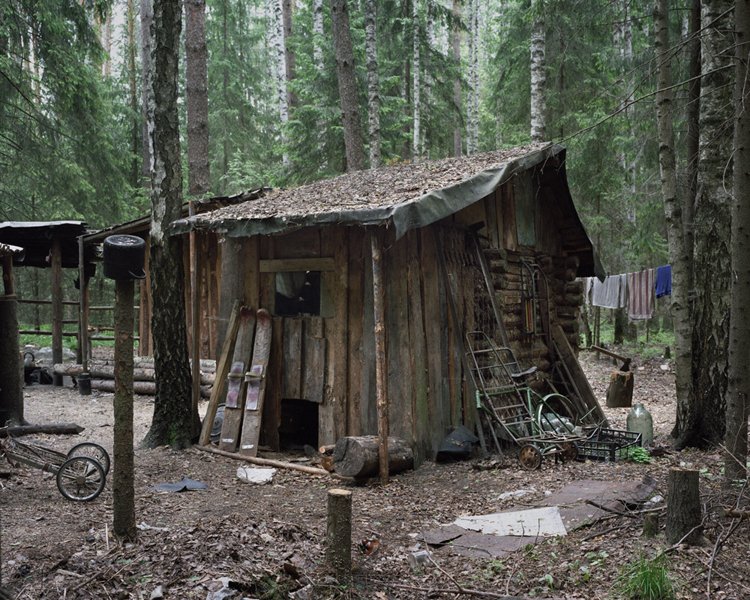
x=269, y=539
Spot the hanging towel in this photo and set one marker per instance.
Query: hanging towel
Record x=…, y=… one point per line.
x=588, y=285
x=641, y=294
x=609, y=293
x=663, y=281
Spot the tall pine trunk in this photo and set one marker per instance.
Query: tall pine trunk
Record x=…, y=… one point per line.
x=700, y=420
x=173, y=416
x=538, y=74
x=196, y=97
x=373, y=82
x=735, y=441
x=416, y=69
x=347, y=83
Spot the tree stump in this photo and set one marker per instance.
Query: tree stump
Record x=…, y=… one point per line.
x=339, y=533
x=683, y=507
x=358, y=456
x=620, y=390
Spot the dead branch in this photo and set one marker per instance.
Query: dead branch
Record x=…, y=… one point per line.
x=465, y=591
x=266, y=462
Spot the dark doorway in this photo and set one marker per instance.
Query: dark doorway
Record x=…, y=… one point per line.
x=299, y=424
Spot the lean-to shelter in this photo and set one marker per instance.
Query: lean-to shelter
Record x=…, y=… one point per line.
x=305, y=255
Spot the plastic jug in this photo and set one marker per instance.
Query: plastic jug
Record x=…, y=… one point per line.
x=640, y=421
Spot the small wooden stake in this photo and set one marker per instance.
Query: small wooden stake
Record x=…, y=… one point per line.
x=380, y=357
x=339, y=533
x=683, y=507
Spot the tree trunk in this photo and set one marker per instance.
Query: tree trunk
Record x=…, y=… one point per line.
x=683, y=507
x=373, y=82
x=538, y=73
x=277, y=42
x=701, y=419
x=147, y=68
x=289, y=59
x=11, y=389
x=415, y=83
x=196, y=97
x=455, y=41
x=735, y=439
x=347, y=82
x=358, y=456
x=318, y=34
x=135, y=135
x=173, y=421
x=123, y=486
x=472, y=102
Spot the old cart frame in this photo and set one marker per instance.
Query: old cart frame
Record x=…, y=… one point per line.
x=80, y=474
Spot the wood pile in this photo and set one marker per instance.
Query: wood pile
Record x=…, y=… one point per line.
x=102, y=374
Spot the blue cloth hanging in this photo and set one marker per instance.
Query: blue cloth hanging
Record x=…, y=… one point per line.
x=663, y=281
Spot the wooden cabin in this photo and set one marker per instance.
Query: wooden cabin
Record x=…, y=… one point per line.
x=305, y=255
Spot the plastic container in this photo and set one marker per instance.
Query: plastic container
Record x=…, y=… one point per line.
x=640, y=421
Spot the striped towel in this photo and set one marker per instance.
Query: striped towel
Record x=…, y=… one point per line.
x=641, y=294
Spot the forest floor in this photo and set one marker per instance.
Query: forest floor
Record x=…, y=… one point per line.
x=267, y=541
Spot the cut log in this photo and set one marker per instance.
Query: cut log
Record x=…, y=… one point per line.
x=143, y=388
x=52, y=429
x=106, y=370
x=620, y=390
x=684, y=515
x=339, y=534
x=358, y=456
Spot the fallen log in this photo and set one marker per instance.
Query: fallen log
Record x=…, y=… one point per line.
x=143, y=388
x=52, y=429
x=265, y=462
x=106, y=370
x=358, y=456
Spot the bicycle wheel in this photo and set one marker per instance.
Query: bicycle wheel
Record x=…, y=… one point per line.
x=94, y=451
x=80, y=478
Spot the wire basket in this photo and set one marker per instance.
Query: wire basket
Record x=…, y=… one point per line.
x=609, y=445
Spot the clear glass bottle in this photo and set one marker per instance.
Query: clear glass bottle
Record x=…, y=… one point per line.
x=640, y=421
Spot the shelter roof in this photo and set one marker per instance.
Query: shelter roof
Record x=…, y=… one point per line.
x=406, y=196
x=35, y=237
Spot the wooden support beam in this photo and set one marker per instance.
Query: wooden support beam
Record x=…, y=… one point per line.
x=195, y=311
x=57, y=307
x=381, y=390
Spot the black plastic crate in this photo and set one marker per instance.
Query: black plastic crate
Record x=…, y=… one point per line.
x=609, y=444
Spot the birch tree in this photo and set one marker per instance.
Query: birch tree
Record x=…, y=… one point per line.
x=147, y=17
x=318, y=34
x=472, y=108
x=738, y=391
x=538, y=73
x=455, y=42
x=700, y=416
x=347, y=84
x=173, y=418
x=277, y=43
x=373, y=82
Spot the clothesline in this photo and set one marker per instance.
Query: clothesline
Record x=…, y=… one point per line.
x=635, y=291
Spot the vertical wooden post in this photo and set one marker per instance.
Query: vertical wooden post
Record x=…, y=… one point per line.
x=683, y=507
x=339, y=533
x=11, y=368
x=123, y=504
x=381, y=390
x=195, y=311
x=83, y=309
x=57, y=308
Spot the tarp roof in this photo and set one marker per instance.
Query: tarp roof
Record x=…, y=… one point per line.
x=406, y=197
x=35, y=237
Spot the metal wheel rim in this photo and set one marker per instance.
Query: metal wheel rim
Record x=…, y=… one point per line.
x=568, y=451
x=80, y=478
x=92, y=450
x=530, y=457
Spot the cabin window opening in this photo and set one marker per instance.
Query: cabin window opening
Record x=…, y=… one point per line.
x=297, y=293
x=299, y=424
